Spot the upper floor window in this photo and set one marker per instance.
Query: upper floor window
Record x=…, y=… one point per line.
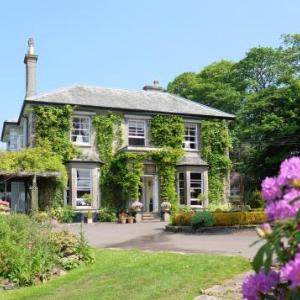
x=190, y=138
x=80, y=133
x=15, y=140
x=136, y=133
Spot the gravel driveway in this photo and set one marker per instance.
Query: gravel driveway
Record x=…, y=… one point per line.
x=151, y=236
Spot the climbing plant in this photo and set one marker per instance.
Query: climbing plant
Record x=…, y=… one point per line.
x=216, y=143
x=108, y=134
x=167, y=131
x=165, y=160
x=52, y=129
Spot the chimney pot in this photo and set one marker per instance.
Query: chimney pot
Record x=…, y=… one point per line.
x=154, y=87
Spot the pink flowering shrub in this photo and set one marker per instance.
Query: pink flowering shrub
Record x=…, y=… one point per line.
x=277, y=262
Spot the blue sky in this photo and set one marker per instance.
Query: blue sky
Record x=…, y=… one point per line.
x=127, y=44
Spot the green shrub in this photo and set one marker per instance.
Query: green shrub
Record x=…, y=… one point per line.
x=64, y=214
x=107, y=214
x=41, y=216
x=239, y=218
x=30, y=251
x=202, y=219
x=182, y=217
x=73, y=250
x=26, y=253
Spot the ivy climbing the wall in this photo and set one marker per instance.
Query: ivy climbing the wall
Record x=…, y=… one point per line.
x=216, y=143
x=166, y=160
x=108, y=134
x=52, y=129
x=167, y=131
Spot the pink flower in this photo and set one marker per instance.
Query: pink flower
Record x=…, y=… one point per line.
x=270, y=189
x=258, y=284
x=289, y=170
x=291, y=272
x=280, y=210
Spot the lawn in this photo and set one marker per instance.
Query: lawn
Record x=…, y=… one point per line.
x=124, y=274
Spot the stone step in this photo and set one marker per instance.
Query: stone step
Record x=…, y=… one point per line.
x=150, y=217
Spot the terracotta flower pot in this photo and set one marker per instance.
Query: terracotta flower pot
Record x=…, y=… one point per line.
x=130, y=220
x=123, y=220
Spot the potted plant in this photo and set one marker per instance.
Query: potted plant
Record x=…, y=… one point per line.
x=88, y=199
x=201, y=199
x=123, y=217
x=130, y=219
x=165, y=206
x=137, y=206
x=89, y=217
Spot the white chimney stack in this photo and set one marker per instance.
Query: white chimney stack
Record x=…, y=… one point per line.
x=30, y=61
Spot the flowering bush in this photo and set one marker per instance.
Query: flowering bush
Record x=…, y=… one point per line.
x=166, y=206
x=277, y=262
x=137, y=205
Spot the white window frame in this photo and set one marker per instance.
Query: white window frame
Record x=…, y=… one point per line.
x=88, y=191
x=136, y=136
x=181, y=188
x=190, y=188
x=81, y=143
x=187, y=143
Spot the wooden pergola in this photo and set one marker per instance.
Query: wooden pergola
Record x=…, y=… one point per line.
x=30, y=178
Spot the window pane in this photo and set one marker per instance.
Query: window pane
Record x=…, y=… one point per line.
x=190, y=138
x=195, y=186
x=80, y=130
x=136, y=133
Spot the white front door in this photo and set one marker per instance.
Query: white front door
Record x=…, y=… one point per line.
x=150, y=193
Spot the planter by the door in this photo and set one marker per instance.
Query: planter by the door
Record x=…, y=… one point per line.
x=130, y=220
x=89, y=220
x=123, y=220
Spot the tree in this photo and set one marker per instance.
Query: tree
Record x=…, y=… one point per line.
x=212, y=86
x=263, y=67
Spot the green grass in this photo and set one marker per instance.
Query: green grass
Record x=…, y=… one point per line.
x=135, y=275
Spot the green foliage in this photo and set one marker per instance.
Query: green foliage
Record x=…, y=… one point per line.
x=40, y=216
x=182, y=217
x=202, y=219
x=107, y=214
x=64, y=214
x=108, y=134
x=215, y=86
x=88, y=199
x=33, y=160
x=52, y=125
x=166, y=160
x=125, y=172
x=167, y=131
x=26, y=253
x=216, y=143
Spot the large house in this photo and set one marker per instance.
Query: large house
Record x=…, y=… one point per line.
x=136, y=108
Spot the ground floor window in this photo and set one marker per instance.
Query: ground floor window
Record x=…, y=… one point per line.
x=196, y=188
x=181, y=188
x=84, y=187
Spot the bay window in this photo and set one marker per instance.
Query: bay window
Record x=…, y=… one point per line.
x=196, y=188
x=181, y=189
x=84, y=186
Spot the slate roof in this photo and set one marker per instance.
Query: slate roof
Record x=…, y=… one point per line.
x=194, y=160
x=129, y=100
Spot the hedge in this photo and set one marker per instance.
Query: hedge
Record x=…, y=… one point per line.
x=239, y=218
